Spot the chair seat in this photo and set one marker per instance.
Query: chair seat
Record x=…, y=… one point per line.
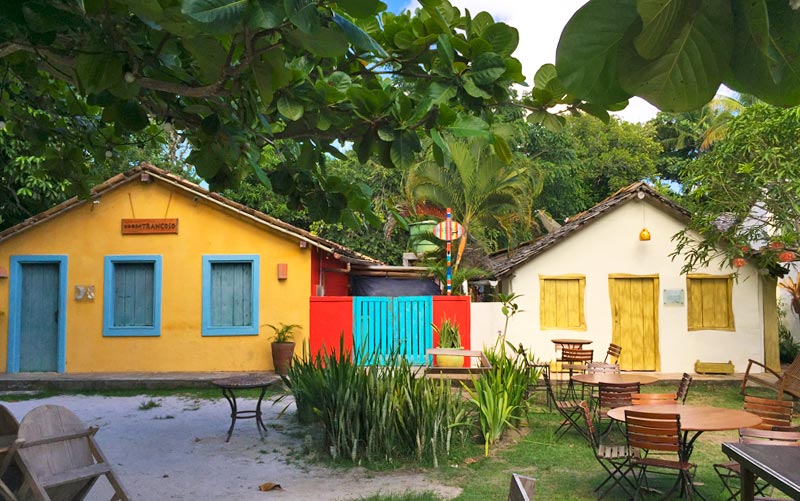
x=732, y=466
x=663, y=463
x=567, y=404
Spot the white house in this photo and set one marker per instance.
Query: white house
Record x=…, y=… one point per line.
x=596, y=279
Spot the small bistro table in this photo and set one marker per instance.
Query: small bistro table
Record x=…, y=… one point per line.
x=230, y=385
x=778, y=465
x=596, y=379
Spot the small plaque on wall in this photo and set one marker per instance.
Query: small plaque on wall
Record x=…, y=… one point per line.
x=674, y=296
x=149, y=226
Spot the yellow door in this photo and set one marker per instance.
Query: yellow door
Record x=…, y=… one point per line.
x=634, y=313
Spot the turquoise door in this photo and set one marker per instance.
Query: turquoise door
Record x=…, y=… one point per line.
x=385, y=326
x=36, y=322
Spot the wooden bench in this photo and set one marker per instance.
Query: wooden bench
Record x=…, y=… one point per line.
x=788, y=382
x=457, y=373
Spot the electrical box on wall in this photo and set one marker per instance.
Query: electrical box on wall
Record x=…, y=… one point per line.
x=283, y=271
x=84, y=293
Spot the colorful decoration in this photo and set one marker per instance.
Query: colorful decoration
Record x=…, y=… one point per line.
x=644, y=235
x=449, y=230
x=739, y=262
x=787, y=256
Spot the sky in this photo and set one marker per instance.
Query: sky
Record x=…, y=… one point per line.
x=539, y=23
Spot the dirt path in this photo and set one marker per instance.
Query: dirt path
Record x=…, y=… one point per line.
x=178, y=451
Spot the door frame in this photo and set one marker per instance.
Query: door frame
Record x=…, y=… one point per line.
x=15, y=306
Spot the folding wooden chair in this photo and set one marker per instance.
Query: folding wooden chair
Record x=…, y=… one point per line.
x=574, y=360
x=615, y=459
x=521, y=488
x=683, y=388
x=661, y=433
x=59, y=458
x=773, y=413
x=569, y=409
x=653, y=398
x=614, y=351
x=729, y=471
x=9, y=473
x=611, y=396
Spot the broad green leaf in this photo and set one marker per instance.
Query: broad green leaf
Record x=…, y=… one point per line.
x=224, y=14
x=325, y=42
x=131, y=117
x=596, y=111
x=588, y=52
x=340, y=81
x=303, y=14
x=470, y=126
x=487, y=68
x=265, y=15
x=481, y=21
x=209, y=55
x=404, y=39
x=440, y=92
x=404, y=148
x=544, y=75
x=754, y=73
x=149, y=11
x=270, y=74
x=387, y=134
x=362, y=8
x=365, y=147
x=690, y=71
x=98, y=72
x=514, y=71
x=472, y=89
x=661, y=22
x=432, y=8
x=436, y=136
x=358, y=37
x=501, y=149
x=502, y=37
x=445, y=50
x=291, y=110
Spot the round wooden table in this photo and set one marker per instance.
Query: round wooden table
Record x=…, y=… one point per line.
x=570, y=343
x=596, y=379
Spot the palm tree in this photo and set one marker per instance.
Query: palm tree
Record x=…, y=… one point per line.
x=483, y=192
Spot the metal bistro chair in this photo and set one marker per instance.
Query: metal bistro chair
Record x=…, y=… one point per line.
x=729, y=472
x=683, y=388
x=569, y=409
x=775, y=415
x=599, y=368
x=614, y=351
x=661, y=433
x=574, y=360
x=615, y=459
x=613, y=395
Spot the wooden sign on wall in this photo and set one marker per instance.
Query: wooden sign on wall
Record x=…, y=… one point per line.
x=149, y=226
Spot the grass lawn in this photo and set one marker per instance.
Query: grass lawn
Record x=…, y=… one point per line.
x=566, y=469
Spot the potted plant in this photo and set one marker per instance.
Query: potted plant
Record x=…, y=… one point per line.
x=282, y=346
x=450, y=338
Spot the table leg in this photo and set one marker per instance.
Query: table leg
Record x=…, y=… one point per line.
x=748, y=480
x=259, y=423
x=230, y=396
x=687, y=486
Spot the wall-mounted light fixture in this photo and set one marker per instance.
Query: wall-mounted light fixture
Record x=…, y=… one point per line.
x=283, y=271
x=644, y=235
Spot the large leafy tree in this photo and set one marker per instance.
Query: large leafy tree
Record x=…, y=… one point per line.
x=676, y=53
x=79, y=77
x=745, y=192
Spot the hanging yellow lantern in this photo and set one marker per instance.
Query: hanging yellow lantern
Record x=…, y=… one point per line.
x=644, y=235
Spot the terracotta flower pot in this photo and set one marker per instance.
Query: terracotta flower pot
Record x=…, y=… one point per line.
x=282, y=354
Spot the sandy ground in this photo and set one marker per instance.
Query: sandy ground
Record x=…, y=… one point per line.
x=178, y=451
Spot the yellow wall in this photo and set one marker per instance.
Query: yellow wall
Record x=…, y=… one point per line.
x=88, y=233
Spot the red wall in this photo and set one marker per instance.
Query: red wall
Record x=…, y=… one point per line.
x=335, y=283
x=330, y=316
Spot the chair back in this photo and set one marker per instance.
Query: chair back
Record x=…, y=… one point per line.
x=756, y=436
x=521, y=488
x=613, y=395
x=614, y=351
x=654, y=431
x=591, y=433
x=772, y=412
x=576, y=356
x=653, y=398
x=8, y=423
x=683, y=388
x=602, y=368
x=550, y=393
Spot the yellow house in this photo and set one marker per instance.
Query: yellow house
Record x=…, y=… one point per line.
x=155, y=273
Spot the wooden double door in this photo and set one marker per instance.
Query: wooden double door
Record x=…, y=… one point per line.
x=634, y=313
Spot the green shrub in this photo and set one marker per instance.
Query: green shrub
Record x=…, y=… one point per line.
x=374, y=412
x=449, y=335
x=788, y=346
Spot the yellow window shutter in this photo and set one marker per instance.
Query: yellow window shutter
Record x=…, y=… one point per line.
x=709, y=302
x=561, y=301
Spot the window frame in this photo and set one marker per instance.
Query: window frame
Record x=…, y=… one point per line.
x=111, y=330
x=242, y=330
x=581, y=301
x=731, y=325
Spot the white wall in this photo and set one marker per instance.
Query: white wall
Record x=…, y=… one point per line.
x=486, y=325
x=790, y=318
x=611, y=245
